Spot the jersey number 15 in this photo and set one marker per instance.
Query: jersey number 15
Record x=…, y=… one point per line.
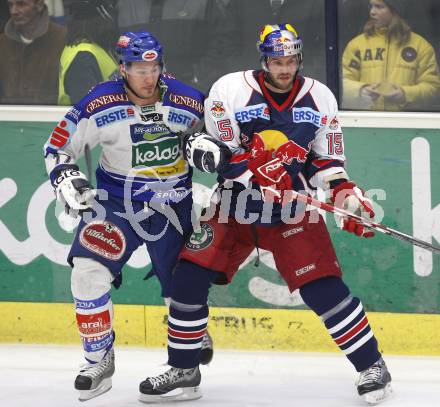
x=334, y=143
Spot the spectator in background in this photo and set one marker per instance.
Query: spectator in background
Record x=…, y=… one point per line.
x=389, y=67
x=434, y=11
x=87, y=58
x=197, y=35
x=30, y=47
x=250, y=15
x=56, y=11
x=4, y=15
x=351, y=20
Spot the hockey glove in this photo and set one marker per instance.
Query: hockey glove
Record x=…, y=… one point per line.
x=205, y=152
x=268, y=171
x=350, y=197
x=72, y=189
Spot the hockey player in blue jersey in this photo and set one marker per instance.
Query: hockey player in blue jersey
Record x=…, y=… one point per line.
x=283, y=132
x=143, y=190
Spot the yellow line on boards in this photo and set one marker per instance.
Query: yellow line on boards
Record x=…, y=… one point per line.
x=231, y=328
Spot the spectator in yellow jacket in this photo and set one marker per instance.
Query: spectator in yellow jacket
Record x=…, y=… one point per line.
x=87, y=58
x=389, y=67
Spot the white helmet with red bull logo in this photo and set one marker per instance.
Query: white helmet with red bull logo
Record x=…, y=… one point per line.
x=279, y=40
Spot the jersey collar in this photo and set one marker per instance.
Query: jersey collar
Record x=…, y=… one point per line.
x=295, y=89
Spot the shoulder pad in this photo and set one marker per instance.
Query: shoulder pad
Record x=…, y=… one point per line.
x=103, y=96
x=183, y=96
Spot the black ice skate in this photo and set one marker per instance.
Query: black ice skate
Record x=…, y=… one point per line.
x=374, y=383
x=96, y=379
x=173, y=385
x=207, y=349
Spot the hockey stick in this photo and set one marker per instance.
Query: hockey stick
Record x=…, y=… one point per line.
x=197, y=128
x=88, y=158
x=370, y=224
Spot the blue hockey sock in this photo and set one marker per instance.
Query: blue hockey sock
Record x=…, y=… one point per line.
x=344, y=318
x=185, y=334
x=188, y=316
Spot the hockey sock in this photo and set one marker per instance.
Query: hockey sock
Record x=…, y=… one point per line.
x=188, y=316
x=345, y=319
x=185, y=334
x=94, y=319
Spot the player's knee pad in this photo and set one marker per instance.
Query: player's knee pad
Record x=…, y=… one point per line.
x=90, y=279
x=191, y=283
x=91, y=282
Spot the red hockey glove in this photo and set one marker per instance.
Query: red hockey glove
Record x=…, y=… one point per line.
x=350, y=197
x=269, y=172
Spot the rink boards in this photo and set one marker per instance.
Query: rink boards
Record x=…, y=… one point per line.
x=391, y=155
x=231, y=328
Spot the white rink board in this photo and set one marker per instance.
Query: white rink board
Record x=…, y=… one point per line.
x=374, y=119
x=36, y=375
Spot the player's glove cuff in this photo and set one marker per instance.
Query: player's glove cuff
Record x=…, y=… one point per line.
x=205, y=152
x=348, y=196
x=73, y=189
x=55, y=173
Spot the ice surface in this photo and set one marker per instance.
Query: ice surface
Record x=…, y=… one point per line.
x=34, y=375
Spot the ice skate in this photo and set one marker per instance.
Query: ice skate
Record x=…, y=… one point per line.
x=207, y=349
x=374, y=383
x=95, y=379
x=174, y=385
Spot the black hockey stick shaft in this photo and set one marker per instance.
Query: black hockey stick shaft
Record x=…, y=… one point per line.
x=368, y=223
x=88, y=158
x=198, y=127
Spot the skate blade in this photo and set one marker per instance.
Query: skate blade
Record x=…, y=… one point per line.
x=103, y=387
x=179, y=394
x=375, y=397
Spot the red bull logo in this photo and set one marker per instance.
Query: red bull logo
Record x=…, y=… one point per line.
x=217, y=109
x=282, y=39
x=272, y=139
x=334, y=124
x=286, y=150
x=291, y=151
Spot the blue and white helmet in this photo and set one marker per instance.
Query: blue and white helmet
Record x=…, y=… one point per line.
x=139, y=46
x=279, y=40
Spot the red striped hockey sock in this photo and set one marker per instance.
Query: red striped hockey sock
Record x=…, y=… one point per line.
x=185, y=335
x=348, y=325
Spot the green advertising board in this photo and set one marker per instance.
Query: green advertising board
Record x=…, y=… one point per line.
x=398, y=167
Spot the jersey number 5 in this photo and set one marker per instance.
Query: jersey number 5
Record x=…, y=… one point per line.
x=225, y=129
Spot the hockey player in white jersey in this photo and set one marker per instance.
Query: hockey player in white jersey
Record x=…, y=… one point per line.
x=282, y=132
x=143, y=190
